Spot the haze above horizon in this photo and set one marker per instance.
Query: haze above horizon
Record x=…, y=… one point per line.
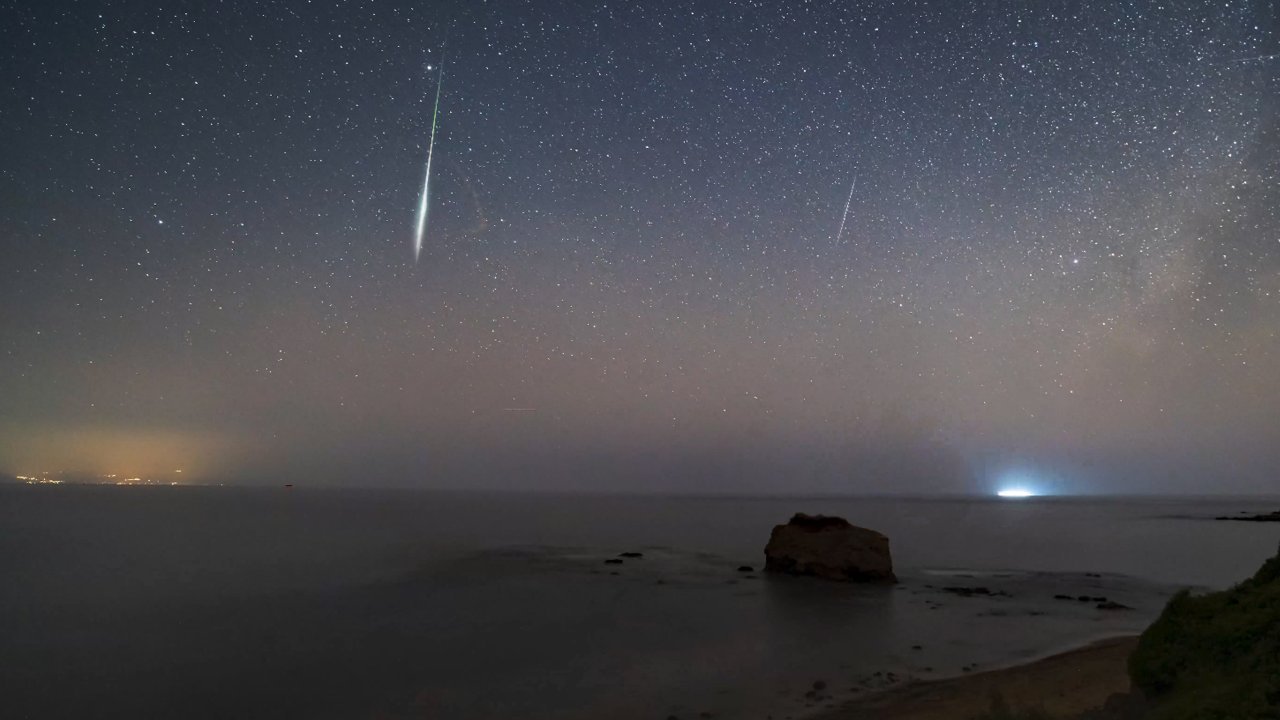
x=943, y=247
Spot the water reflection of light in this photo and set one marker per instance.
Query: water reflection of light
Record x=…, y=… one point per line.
x=1014, y=492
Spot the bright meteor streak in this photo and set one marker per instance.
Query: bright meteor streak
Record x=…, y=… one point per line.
x=424, y=201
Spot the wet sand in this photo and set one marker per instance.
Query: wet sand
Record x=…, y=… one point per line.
x=1063, y=685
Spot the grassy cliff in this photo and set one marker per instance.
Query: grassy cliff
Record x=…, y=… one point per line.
x=1215, y=656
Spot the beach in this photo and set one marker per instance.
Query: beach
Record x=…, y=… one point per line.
x=1063, y=685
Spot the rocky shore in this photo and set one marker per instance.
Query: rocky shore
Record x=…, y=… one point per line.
x=1212, y=655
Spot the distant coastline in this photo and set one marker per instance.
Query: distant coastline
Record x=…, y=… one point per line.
x=1255, y=517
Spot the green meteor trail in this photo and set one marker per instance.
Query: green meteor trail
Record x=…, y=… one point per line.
x=424, y=201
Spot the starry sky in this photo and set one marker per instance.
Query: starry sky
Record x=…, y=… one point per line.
x=740, y=246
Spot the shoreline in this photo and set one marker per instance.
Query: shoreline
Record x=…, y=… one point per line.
x=1067, y=683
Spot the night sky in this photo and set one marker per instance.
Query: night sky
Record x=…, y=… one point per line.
x=1060, y=264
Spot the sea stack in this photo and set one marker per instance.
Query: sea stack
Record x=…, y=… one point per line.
x=829, y=547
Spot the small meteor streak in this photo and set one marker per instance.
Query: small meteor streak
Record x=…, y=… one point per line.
x=845, y=217
x=1259, y=58
x=425, y=201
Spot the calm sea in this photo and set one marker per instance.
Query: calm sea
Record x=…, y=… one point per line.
x=272, y=603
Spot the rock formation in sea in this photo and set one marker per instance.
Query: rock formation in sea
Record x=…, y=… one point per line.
x=829, y=547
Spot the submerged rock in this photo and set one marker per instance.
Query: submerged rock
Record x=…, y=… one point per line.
x=971, y=591
x=829, y=547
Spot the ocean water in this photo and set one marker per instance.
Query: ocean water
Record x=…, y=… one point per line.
x=207, y=602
